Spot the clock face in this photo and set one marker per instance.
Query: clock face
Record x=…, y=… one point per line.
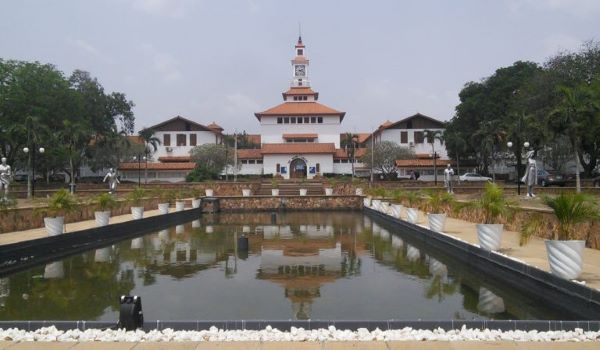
x=301, y=70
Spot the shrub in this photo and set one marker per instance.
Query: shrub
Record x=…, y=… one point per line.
x=136, y=196
x=105, y=202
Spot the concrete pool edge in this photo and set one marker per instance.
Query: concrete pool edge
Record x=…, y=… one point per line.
x=562, y=293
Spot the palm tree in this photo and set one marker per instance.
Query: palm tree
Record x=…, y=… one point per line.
x=350, y=143
x=569, y=118
x=149, y=141
x=431, y=136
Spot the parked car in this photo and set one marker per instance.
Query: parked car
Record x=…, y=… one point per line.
x=474, y=177
x=549, y=178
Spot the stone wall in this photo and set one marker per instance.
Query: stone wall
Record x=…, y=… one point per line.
x=290, y=202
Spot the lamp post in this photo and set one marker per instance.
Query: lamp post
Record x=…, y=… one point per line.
x=526, y=145
x=31, y=174
x=139, y=159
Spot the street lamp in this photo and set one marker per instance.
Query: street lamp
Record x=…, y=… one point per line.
x=31, y=175
x=526, y=145
x=139, y=159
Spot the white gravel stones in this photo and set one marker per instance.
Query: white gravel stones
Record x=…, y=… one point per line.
x=295, y=334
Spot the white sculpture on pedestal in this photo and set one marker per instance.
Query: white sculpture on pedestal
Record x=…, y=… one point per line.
x=5, y=177
x=113, y=180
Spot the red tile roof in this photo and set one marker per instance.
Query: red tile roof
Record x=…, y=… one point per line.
x=300, y=108
x=214, y=126
x=300, y=136
x=158, y=166
x=249, y=153
x=421, y=163
x=175, y=159
x=300, y=91
x=298, y=148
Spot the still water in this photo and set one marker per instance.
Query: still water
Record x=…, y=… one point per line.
x=300, y=265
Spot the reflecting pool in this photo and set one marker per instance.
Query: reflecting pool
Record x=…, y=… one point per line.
x=300, y=265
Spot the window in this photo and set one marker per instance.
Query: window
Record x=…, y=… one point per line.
x=293, y=120
x=300, y=52
x=167, y=139
x=299, y=82
x=286, y=120
x=403, y=136
x=244, y=161
x=320, y=120
x=336, y=160
x=278, y=168
x=251, y=161
x=279, y=120
x=299, y=120
x=305, y=98
x=259, y=161
x=313, y=120
x=418, y=137
x=318, y=167
x=181, y=139
x=306, y=120
x=193, y=140
x=295, y=98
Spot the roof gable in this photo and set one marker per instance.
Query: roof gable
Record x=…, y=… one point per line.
x=180, y=123
x=416, y=121
x=300, y=108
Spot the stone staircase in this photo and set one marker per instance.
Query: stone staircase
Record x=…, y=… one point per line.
x=292, y=187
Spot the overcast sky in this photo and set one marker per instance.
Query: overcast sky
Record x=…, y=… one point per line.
x=224, y=60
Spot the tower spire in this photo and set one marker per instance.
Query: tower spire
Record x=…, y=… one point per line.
x=299, y=33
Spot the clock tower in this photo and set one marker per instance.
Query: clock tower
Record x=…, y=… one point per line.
x=300, y=66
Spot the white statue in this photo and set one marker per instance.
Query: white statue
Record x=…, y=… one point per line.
x=5, y=177
x=530, y=177
x=113, y=180
x=448, y=173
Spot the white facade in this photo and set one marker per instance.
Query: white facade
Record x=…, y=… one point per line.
x=324, y=163
x=180, y=142
x=394, y=135
x=328, y=130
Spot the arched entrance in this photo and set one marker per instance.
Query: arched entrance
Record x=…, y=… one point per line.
x=297, y=169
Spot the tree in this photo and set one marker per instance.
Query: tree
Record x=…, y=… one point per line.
x=350, y=144
x=211, y=159
x=385, y=154
x=150, y=141
x=431, y=136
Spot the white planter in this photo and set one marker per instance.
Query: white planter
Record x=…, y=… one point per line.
x=209, y=192
x=54, y=270
x=137, y=243
x=375, y=203
x=367, y=202
x=137, y=213
x=275, y=192
x=196, y=202
x=412, y=253
x=489, y=236
x=303, y=191
x=489, y=302
x=437, y=222
x=163, y=208
x=565, y=258
x=102, y=218
x=412, y=215
x=246, y=192
x=328, y=191
x=179, y=205
x=358, y=191
x=54, y=226
x=397, y=210
x=102, y=254
x=383, y=207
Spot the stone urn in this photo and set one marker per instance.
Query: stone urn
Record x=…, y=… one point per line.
x=54, y=226
x=137, y=213
x=412, y=215
x=437, y=222
x=246, y=192
x=102, y=217
x=196, y=203
x=209, y=192
x=303, y=191
x=489, y=236
x=163, y=208
x=328, y=191
x=565, y=257
x=179, y=205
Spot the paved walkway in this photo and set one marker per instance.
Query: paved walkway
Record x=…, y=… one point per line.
x=533, y=253
x=20, y=236
x=333, y=345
